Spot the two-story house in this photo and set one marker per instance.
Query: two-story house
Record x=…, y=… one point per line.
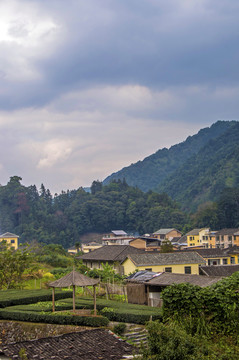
x=116, y=237
x=227, y=238
x=10, y=239
x=146, y=243
x=167, y=234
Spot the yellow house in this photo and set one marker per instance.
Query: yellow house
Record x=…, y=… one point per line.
x=177, y=262
x=11, y=239
x=85, y=248
x=217, y=256
x=193, y=237
x=90, y=247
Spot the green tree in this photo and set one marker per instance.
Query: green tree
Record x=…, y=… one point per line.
x=166, y=246
x=13, y=263
x=170, y=342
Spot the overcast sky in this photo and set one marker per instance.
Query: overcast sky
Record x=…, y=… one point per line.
x=88, y=87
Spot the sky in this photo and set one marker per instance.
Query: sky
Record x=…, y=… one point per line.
x=89, y=87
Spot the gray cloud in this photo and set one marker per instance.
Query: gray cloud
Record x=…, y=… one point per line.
x=89, y=87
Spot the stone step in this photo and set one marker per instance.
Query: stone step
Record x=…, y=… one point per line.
x=138, y=336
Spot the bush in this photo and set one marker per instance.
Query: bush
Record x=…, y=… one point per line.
x=119, y=329
x=170, y=342
x=54, y=318
x=11, y=298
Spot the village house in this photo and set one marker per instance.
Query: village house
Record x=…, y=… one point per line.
x=167, y=234
x=227, y=238
x=145, y=287
x=10, y=239
x=113, y=255
x=146, y=243
x=218, y=256
x=176, y=262
x=85, y=248
x=116, y=237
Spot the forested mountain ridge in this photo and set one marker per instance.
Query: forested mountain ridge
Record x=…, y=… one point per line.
x=151, y=172
x=62, y=219
x=206, y=174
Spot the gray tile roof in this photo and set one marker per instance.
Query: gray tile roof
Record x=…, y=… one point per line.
x=193, y=232
x=163, y=231
x=208, y=253
x=227, y=231
x=166, y=279
x=110, y=253
x=166, y=259
x=119, y=232
x=219, y=270
x=8, y=234
x=85, y=345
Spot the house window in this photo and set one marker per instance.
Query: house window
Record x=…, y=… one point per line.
x=12, y=241
x=148, y=269
x=224, y=261
x=232, y=260
x=229, y=238
x=168, y=269
x=187, y=270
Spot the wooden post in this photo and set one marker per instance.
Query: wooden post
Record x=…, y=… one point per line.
x=94, y=300
x=148, y=296
x=53, y=299
x=74, y=298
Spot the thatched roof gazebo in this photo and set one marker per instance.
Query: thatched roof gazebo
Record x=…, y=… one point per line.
x=73, y=279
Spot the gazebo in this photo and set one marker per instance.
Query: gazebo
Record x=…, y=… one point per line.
x=73, y=279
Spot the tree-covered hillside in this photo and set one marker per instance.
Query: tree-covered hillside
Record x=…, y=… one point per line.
x=206, y=174
x=62, y=219
x=155, y=169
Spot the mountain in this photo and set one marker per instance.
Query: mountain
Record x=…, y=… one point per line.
x=167, y=169
x=206, y=174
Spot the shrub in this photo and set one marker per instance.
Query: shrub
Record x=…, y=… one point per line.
x=170, y=342
x=54, y=318
x=11, y=298
x=119, y=329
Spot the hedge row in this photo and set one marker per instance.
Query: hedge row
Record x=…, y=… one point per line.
x=31, y=299
x=95, y=321
x=131, y=318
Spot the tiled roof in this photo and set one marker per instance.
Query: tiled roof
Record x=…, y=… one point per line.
x=227, y=231
x=166, y=259
x=215, y=252
x=163, y=231
x=208, y=253
x=166, y=279
x=8, y=234
x=111, y=253
x=73, y=278
x=232, y=250
x=219, y=270
x=183, y=240
x=193, y=232
x=86, y=345
x=119, y=232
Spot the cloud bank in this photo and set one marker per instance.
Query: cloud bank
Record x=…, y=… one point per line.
x=89, y=87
